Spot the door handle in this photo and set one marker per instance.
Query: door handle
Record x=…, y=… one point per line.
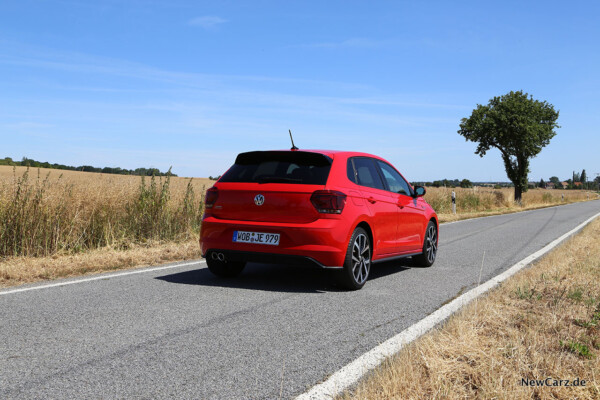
x=401, y=206
x=371, y=200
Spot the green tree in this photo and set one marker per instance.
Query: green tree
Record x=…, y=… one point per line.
x=569, y=183
x=583, y=178
x=515, y=124
x=542, y=183
x=555, y=180
x=465, y=183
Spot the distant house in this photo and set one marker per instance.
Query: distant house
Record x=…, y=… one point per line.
x=577, y=184
x=549, y=185
x=564, y=185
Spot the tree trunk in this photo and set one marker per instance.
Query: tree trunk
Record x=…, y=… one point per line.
x=518, y=193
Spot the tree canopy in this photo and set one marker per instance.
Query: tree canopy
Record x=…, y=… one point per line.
x=515, y=124
x=465, y=183
x=28, y=162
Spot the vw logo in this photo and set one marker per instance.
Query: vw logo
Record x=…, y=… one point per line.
x=259, y=199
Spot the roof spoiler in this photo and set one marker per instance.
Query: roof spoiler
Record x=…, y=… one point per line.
x=296, y=156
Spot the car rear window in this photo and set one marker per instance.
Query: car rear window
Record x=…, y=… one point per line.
x=296, y=167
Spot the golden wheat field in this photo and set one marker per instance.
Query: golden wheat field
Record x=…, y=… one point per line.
x=44, y=211
x=57, y=223
x=99, y=184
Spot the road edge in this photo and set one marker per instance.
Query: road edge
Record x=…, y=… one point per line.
x=350, y=374
x=99, y=276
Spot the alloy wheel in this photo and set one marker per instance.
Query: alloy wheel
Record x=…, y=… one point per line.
x=361, y=258
x=431, y=246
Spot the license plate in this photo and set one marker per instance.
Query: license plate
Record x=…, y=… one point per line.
x=256, y=237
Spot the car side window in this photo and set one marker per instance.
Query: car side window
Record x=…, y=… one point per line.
x=350, y=171
x=367, y=174
x=394, y=180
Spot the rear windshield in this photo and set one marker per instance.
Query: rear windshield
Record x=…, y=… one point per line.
x=296, y=167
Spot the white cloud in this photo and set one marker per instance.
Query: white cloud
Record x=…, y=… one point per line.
x=207, y=21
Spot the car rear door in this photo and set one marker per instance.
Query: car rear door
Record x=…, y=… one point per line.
x=382, y=206
x=411, y=216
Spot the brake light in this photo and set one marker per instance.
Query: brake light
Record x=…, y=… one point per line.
x=212, y=195
x=328, y=201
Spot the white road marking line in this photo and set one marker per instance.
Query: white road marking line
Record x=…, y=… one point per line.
x=354, y=371
x=99, y=277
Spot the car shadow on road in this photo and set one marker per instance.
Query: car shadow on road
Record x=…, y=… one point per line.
x=278, y=278
x=267, y=277
x=383, y=269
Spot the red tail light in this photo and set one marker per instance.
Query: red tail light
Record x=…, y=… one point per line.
x=328, y=201
x=212, y=195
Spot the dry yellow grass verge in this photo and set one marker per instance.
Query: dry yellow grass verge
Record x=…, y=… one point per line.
x=20, y=270
x=483, y=202
x=542, y=323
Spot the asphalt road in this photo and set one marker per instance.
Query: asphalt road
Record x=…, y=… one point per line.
x=275, y=330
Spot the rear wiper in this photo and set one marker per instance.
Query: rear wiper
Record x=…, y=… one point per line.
x=276, y=179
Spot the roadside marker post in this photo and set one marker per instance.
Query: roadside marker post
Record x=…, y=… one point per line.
x=453, y=202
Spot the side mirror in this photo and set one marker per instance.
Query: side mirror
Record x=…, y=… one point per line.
x=420, y=191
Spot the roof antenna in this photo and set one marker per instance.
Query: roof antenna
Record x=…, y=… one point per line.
x=293, y=145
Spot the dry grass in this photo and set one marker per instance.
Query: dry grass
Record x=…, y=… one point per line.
x=480, y=202
x=544, y=322
x=49, y=212
x=20, y=270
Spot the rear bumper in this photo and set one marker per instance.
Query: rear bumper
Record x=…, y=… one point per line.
x=321, y=242
x=267, y=258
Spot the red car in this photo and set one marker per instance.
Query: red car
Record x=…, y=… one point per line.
x=339, y=210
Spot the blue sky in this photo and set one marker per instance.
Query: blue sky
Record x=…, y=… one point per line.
x=190, y=84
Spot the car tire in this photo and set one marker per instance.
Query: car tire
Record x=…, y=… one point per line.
x=357, y=263
x=430, y=246
x=225, y=269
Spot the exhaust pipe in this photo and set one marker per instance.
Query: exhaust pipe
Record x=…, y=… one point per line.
x=217, y=256
x=221, y=257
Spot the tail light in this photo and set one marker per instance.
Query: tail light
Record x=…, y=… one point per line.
x=328, y=201
x=212, y=195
